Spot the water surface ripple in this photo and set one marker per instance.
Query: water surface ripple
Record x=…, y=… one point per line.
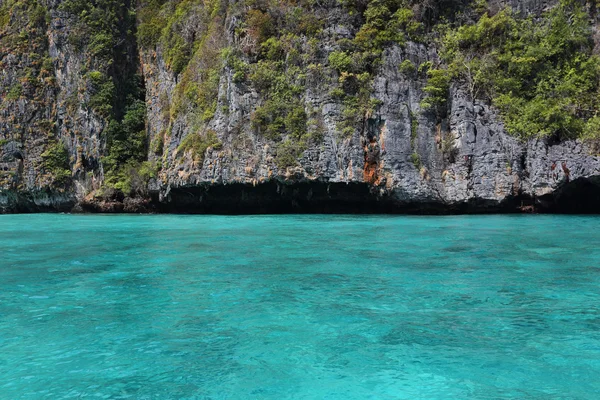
x=299, y=307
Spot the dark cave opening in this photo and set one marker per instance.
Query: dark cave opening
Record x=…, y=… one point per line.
x=580, y=196
x=275, y=197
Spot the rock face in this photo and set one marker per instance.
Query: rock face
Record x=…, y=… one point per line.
x=399, y=158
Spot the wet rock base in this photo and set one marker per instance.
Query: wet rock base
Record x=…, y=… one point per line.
x=581, y=196
x=308, y=197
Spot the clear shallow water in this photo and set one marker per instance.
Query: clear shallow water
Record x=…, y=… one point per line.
x=299, y=307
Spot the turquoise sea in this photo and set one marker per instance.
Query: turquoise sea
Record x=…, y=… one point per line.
x=299, y=307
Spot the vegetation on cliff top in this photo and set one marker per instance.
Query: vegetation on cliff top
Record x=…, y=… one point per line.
x=541, y=73
x=274, y=52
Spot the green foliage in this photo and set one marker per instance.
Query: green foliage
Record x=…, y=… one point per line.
x=386, y=22
x=146, y=171
x=268, y=119
x=202, y=95
x=288, y=152
x=127, y=144
x=337, y=93
x=47, y=66
x=407, y=67
x=151, y=23
x=277, y=117
x=198, y=94
x=284, y=44
x=591, y=131
x=280, y=80
x=149, y=33
x=177, y=52
x=132, y=178
x=279, y=43
x=162, y=23
x=260, y=25
x=98, y=24
x=23, y=25
x=415, y=159
x=437, y=88
x=425, y=67
x=234, y=61
x=198, y=144
x=102, y=91
x=357, y=109
x=104, y=31
x=157, y=144
x=414, y=128
x=340, y=61
x=198, y=63
x=101, y=45
x=4, y=16
x=15, y=92
x=541, y=73
x=55, y=161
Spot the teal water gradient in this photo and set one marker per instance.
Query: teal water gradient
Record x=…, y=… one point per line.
x=299, y=307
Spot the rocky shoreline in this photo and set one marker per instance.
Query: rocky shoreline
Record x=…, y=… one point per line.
x=581, y=196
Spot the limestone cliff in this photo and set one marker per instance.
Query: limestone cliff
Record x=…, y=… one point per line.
x=236, y=121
